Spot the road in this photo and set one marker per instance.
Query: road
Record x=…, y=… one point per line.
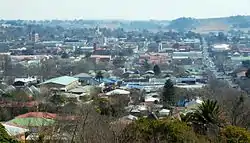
x=210, y=66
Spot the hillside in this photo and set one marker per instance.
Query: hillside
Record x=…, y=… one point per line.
x=210, y=24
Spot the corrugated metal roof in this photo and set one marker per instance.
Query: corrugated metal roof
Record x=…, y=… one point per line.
x=14, y=130
x=63, y=80
x=26, y=122
x=83, y=75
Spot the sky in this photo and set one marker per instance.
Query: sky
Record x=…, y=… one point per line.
x=121, y=9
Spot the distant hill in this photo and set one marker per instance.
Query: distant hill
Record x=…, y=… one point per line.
x=183, y=23
x=210, y=24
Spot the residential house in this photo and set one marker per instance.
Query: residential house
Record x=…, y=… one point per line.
x=155, y=58
x=118, y=92
x=63, y=83
x=22, y=82
x=101, y=55
x=187, y=55
x=164, y=112
x=87, y=49
x=15, y=131
x=85, y=78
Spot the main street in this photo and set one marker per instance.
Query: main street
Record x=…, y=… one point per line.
x=210, y=66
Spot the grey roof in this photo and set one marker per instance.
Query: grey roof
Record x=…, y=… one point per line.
x=63, y=80
x=78, y=90
x=83, y=75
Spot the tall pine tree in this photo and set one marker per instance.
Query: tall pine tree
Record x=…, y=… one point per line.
x=157, y=70
x=168, y=94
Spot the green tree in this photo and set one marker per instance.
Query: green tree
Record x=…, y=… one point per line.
x=119, y=62
x=88, y=55
x=246, y=63
x=157, y=70
x=146, y=65
x=156, y=131
x=65, y=55
x=99, y=76
x=248, y=73
x=4, y=137
x=7, y=66
x=233, y=134
x=168, y=94
x=58, y=99
x=207, y=115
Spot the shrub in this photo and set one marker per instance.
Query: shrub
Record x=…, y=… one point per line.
x=233, y=134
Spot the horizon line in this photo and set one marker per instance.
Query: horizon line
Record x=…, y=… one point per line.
x=120, y=19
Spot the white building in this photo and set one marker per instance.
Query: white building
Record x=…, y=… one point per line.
x=220, y=47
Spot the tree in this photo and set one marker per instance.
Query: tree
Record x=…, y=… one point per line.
x=7, y=66
x=157, y=131
x=146, y=65
x=88, y=55
x=57, y=99
x=246, y=63
x=99, y=76
x=248, y=73
x=4, y=136
x=168, y=94
x=207, y=115
x=65, y=55
x=119, y=62
x=233, y=134
x=118, y=72
x=157, y=70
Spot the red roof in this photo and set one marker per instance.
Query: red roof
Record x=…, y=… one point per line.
x=46, y=115
x=38, y=115
x=243, y=50
x=18, y=104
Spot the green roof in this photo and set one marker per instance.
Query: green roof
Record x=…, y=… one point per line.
x=240, y=58
x=34, y=122
x=63, y=80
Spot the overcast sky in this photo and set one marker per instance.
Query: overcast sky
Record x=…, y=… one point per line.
x=121, y=9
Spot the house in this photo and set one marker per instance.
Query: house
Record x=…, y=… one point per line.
x=87, y=49
x=152, y=100
x=15, y=131
x=31, y=122
x=187, y=55
x=154, y=58
x=186, y=80
x=164, y=112
x=85, y=78
x=77, y=93
x=240, y=72
x=220, y=48
x=118, y=92
x=63, y=83
x=101, y=58
x=193, y=104
x=22, y=82
x=55, y=137
x=244, y=50
x=101, y=55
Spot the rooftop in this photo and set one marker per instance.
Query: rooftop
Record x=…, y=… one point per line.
x=14, y=130
x=83, y=75
x=63, y=80
x=31, y=121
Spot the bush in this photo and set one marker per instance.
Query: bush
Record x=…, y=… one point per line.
x=171, y=131
x=233, y=134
